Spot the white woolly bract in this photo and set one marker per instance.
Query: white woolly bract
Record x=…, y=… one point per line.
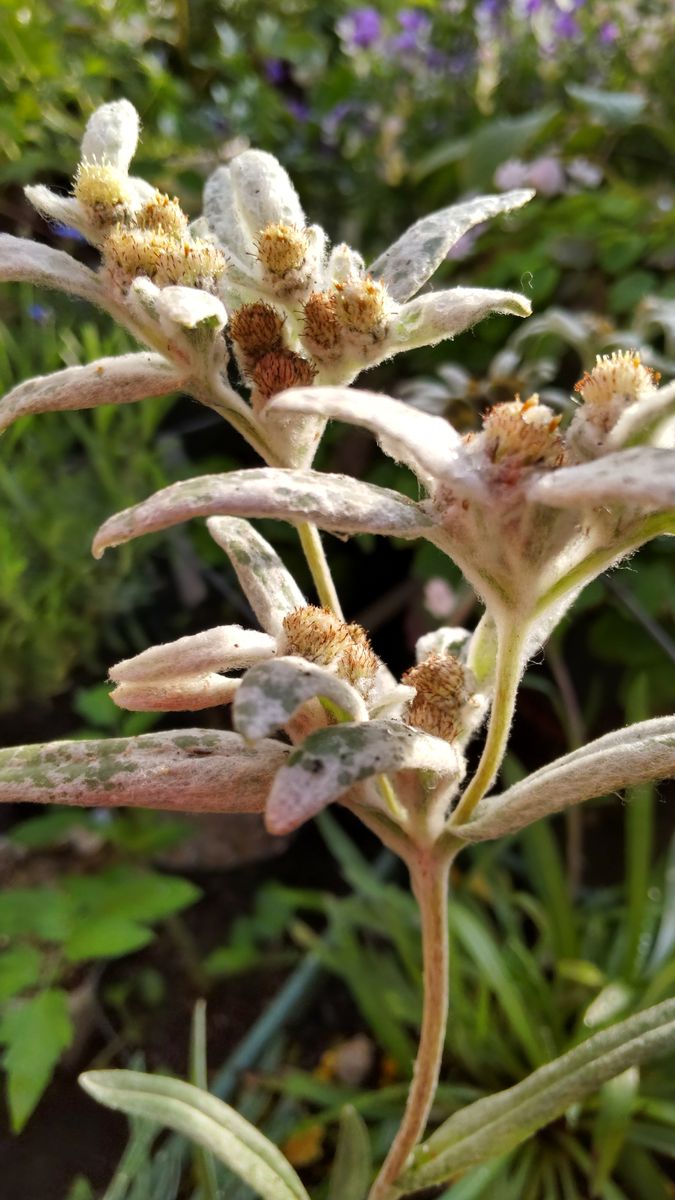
x=227, y=647
x=414, y=257
x=111, y=135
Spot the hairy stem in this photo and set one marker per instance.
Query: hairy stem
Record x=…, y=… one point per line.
x=310, y=540
x=429, y=878
x=507, y=676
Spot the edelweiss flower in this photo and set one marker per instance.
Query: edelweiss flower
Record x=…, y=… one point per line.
x=309, y=670
x=338, y=314
x=298, y=314
x=527, y=521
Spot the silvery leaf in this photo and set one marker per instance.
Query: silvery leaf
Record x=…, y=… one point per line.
x=120, y=380
x=333, y=502
x=225, y=220
x=435, y=316
x=428, y=445
x=272, y=692
x=65, y=210
x=642, y=420
x=191, y=770
x=182, y=694
x=330, y=761
x=22, y=259
x=411, y=260
x=269, y=588
x=224, y=648
x=643, y=476
x=634, y=755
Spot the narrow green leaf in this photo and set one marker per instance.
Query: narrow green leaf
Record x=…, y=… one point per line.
x=616, y=1104
x=205, y=1168
x=35, y=1033
x=352, y=1167
x=497, y=1123
x=203, y=1119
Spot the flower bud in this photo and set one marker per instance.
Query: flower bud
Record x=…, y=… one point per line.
x=282, y=248
x=361, y=305
x=319, y=636
x=521, y=434
x=281, y=369
x=163, y=213
x=128, y=253
x=103, y=190
x=257, y=330
x=443, y=703
x=322, y=334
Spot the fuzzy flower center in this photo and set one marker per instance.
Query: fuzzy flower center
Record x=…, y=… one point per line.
x=361, y=304
x=162, y=257
x=522, y=434
x=442, y=692
x=620, y=376
x=319, y=636
x=282, y=248
x=103, y=190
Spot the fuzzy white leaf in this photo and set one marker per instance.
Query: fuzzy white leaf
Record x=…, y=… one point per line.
x=120, y=380
x=634, y=755
x=203, y=1119
x=331, y=761
x=435, y=316
x=65, y=210
x=189, y=308
x=264, y=192
x=225, y=648
x=225, y=220
x=444, y=640
x=271, y=693
x=344, y=263
x=497, y=1123
x=191, y=770
x=269, y=588
x=21, y=259
x=189, y=694
x=641, y=421
x=428, y=445
x=334, y=502
x=111, y=135
x=414, y=257
x=643, y=476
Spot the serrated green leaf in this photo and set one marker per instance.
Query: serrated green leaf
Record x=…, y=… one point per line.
x=106, y=937
x=205, y=1120
x=40, y=912
x=131, y=894
x=35, y=1034
x=19, y=969
x=352, y=1166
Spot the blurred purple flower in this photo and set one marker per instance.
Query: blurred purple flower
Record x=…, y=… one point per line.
x=415, y=26
x=67, y=231
x=566, y=25
x=38, y=313
x=360, y=29
x=609, y=32
x=512, y=173
x=532, y=7
x=298, y=108
x=275, y=70
x=546, y=175
x=466, y=243
x=334, y=118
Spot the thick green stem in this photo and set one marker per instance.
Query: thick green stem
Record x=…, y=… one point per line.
x=429, y=877
x=507, y=677
x=310, y=540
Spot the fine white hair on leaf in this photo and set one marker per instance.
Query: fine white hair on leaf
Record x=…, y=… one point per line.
x=111, y=135
x=643, y=476
x=264, y=192
x=269, y=588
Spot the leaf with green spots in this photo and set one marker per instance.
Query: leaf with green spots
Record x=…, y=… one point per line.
x=330, y=761
x=272, y=692
x=34, y=1034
